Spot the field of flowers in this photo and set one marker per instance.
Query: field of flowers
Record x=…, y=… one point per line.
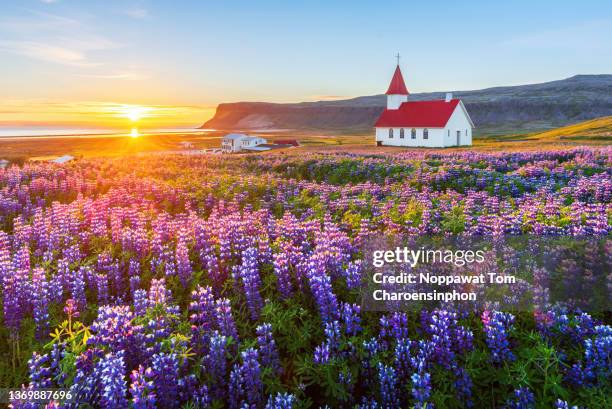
x=175, y=281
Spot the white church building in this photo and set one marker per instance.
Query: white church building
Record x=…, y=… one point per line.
x=431, y=124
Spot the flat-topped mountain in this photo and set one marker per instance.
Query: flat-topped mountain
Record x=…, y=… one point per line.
x=509, y=109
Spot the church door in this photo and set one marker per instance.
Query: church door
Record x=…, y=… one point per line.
x=458, y=138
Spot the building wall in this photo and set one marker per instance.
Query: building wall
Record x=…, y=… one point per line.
x=438, y=137
x=435, y=137
x=394, y=101
x=458, y=122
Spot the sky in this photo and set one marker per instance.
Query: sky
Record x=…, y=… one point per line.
x=169, y=63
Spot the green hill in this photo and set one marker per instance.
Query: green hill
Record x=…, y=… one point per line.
x=599, y=129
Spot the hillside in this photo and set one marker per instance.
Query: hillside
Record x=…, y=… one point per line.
x=523, y=108
x=595, y=129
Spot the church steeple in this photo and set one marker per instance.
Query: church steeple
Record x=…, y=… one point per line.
x=397, y=93
x=397, y=85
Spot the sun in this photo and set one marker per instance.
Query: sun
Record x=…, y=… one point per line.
x=134, y=115
x=134, y=112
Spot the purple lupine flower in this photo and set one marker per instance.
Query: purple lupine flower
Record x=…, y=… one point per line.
x=268, y=352
x=561, y=404
x=247, y=274
x=102, y=288
x=245, y=386
x=598, y=353
x=421, y=389
x=388, y=381
x=183, y=265
x=353, y=274
x=216, y=363
x=320, y=285
x=40, y=373
x=463, y=386
x=158, y=293
x=225, y=321
x=350, y=317
x=440, y=324
x=281, y=401
x=202, y=316
x=110, y=372
x=330, y=347
x=522, y=399
x=141, y=302
x=322, y=354
x=40, y=287
x=77, y=288
x=114, y=329
x=71, y=309
x=403, y=358
x=142, y=388
x=165, y=370
x=281, y=269
x=497, y=325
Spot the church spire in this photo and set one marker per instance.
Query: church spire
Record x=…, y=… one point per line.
x=397, y=86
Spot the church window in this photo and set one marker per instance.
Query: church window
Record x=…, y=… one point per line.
x=425, y=133
x=413, y=133
x=390, y=133
x=448, y=133
x=402, y=133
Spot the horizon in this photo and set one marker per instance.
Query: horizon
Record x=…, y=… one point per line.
x=116, y=65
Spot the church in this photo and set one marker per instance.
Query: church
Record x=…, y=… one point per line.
x=430, y=124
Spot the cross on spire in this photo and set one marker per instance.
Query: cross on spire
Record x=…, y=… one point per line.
x=398, y=57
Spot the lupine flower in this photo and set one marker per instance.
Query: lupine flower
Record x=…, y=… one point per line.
x=496, y=325
x=268, y=353
x=522, y=399
x=165, y=373
x=561, y=404
x=387, y=377
x=110, y=371
x=248, y=275
x=281, y=401
x=245, y=386
x=351, y=318
x=421, y=389
x=142, y=388
x=216, y=363
x=40, y=287
x=225, y=321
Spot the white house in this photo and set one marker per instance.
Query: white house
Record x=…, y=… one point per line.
x=432, y=124
x=3, y=163
x=236, y=142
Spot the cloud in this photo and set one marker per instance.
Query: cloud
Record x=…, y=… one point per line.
x=125, y=75
x=46, y=52
x=137, y=13
x=52, y=38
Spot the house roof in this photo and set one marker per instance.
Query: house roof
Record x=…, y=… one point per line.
x=397, y=85
x=419, y=114
x=234, y=136
x=63, y=159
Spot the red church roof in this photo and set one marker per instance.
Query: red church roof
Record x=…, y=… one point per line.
x=418, y=114
x=397, y=85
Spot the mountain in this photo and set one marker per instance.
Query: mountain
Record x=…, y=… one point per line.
x=512, y=109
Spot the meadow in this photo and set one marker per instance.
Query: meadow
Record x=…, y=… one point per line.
x=219, y=281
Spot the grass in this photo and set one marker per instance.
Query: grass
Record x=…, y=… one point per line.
x=593, y=132
x=595, y=129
